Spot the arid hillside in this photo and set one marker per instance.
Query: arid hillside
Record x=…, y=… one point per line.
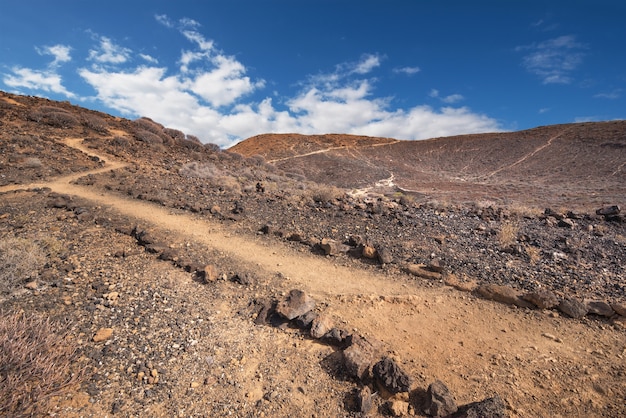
x=145, y=274
x=577, y=166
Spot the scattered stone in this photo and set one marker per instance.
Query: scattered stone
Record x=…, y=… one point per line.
x=338, y=337
x=168, y=254
x=295, y=304
x=397, y=408
x=502, y=294
x=265, y=308
x=305, y=321
x=359, y=357
x=364, y=400
x=619, y=308
x=321, y=325
x=566, y=223
x=543, y=299
x=384, y=255
x=598, y=307
x=369, y=252
x=208, y=274
x=619, y=321
x=462, y=285
x=491, y=407
x=608, y=211
x=390, y=376
x=332, y=247
x=573, y=308
x=420, y=270
x=439, y=400
x=435, y=265
x=103, y=334
x=244, y=279
x=31, y=285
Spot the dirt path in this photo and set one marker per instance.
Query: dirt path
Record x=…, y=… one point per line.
x=542, y=364
x=325, y=150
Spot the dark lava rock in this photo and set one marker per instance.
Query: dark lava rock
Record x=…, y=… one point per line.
x=390, y=376
x=608, y=211
x=573, y=308
x=364, y=400
x=488, y=408
x=543, y=299
x=295, y=304
x=360, y=355
x=598, y=307
x=439, y=400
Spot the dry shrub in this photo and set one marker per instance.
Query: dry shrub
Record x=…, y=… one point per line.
x=174, y=133
x=322, y=193
x=533, y=253
x=36, y=362
x=148, y=137
x=149, y=125
x=203, y=171
x=32, y=162
x=95, y=123
x=20, y=259
x=508, y=234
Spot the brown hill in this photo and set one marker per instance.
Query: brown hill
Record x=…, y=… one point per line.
x=576, y=165
x=145, y=274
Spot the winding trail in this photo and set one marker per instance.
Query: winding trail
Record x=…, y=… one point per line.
x=530, y=154
x=455, y=334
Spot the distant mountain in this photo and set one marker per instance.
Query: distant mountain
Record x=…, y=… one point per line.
x=576, y=165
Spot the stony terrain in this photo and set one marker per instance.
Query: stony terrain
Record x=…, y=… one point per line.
x=172, y=266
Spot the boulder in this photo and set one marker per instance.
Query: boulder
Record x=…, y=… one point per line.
x=208, y=274
x=439, y=401
x=332, y=247
x=503, y=294
x=420, y=270
x=566, y=223
x=491, y=407
x=619, y=308
x=338, y=338
x=573, y=308
x=598, y=307
x=369, y=252
x=305, y=321
x=321, y=325
x=359, y=357
x=364, y=400
x=384, y=255
x=543, y=299
x=388, y=374
x=295, y=304
x=608, y=211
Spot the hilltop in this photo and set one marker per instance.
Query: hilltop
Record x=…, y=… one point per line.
x=168, y=277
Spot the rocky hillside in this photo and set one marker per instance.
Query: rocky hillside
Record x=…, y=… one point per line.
x=577, y=166
x=153, y=275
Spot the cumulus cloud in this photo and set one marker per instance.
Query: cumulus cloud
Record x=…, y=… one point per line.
x=553, y=60
x=109, y=53
x=46, y=81
x=61, y=53
x=209, y=94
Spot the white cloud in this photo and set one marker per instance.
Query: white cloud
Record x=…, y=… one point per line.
x=149, y=58
x=367, y=63
x=61, y=53
x=46, y=81
x=544, y=110
x=109, y=53
x=450, y=99
x=407, y=70
x=612, y=95
x=554, y=60
x=204, y=94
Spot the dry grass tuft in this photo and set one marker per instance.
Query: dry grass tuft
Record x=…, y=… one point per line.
x=20, y=259
x=508, y=234
x=36, y=362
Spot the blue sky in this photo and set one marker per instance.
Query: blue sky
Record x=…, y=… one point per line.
x=227, y=70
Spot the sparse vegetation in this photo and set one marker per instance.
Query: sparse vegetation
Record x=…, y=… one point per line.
x=95, y=123
x=507, y=235
x=20, y=259
x=37, y=361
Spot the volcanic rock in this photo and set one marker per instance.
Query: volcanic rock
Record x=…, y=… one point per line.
x=439, y=400
x=296, y=303
x=321, y=325
x=598, y=307
x=360, y=355
x=502, y=294
x=491, y=407
x=543, y=299
x=573, y=308
x=390, y=376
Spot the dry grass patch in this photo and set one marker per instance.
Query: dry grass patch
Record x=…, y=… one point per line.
x=507, y=235
x=36, y=362
x=20, y=259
